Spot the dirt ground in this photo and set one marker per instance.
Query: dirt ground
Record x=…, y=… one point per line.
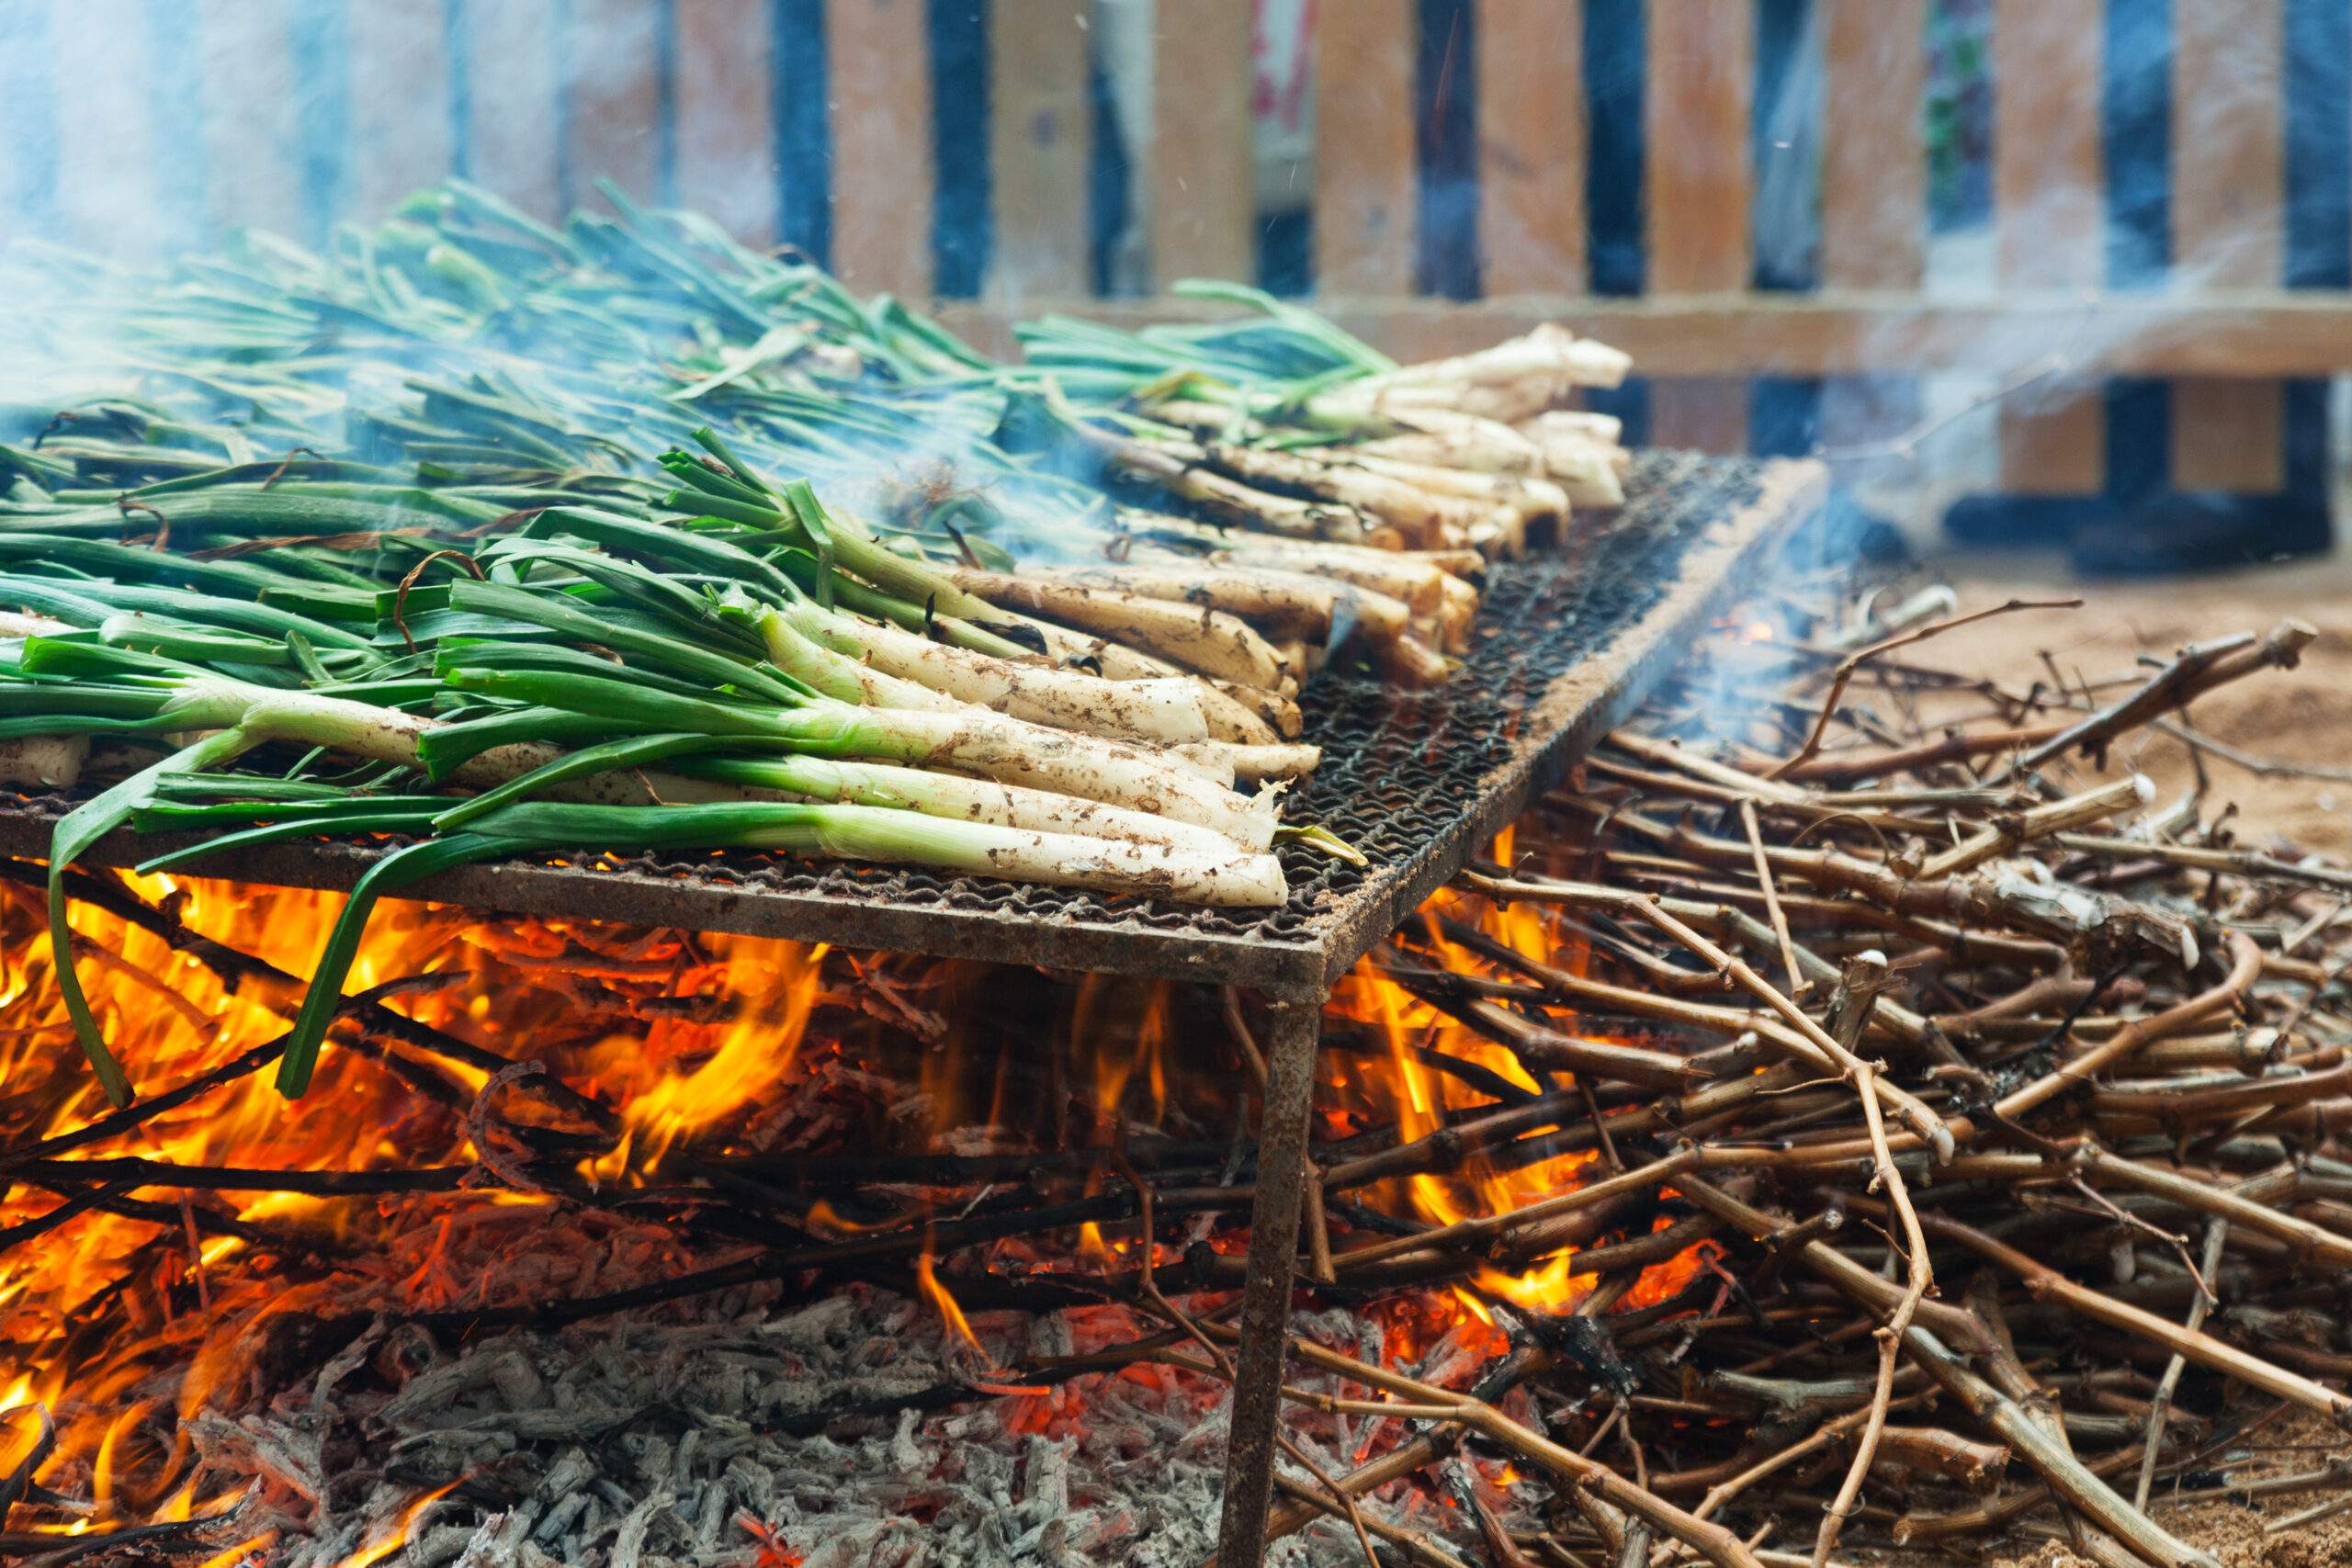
x=2302, y=718
x=2235, y=1532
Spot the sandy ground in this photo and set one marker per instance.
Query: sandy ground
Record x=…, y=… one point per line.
x=2303, y=717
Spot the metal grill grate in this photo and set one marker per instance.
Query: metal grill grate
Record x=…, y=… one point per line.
x=1565, y=644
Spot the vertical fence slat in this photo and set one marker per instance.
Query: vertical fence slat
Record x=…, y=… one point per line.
x=2228, y=199
x=107, y=173
x=1532, y=146
x=1873, y=189
x=612, y=116
x=2049, y=213
x=251, y=91
x=400, y=116
x=879, y=57
x=1202, y=199
x=1873, y=143
x=1366, y=187
x=1040, y=137
x=1698, y=175
x=725, y=114
x=509, y=57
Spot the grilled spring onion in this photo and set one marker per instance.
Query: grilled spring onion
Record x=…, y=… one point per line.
x=971, y=739
x=845, y=832
x=1109, y=849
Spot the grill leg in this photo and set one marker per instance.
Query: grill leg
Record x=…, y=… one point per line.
x=1265, y=1299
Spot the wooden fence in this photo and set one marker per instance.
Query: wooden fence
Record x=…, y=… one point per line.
x=951, y=146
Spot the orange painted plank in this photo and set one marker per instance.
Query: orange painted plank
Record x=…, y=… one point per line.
x=252, y=91
x=2228, y=211
x=512, y=119
x=1873, y=143
x=2229, y=436
x=2049, y=215
x=401, y=127
x=1366, y=185
x=879, y=55
x=1699, y=173
x=108, y=175
x=1873, y=189
x=726, y=119
x=1040, y=134
x=1532, y=146
x=611, y=126
x=1709, y=413
x=1202, y=202
x=1699, y=170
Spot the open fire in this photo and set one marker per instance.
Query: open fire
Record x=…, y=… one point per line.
x=631, y=1247
x=573, y=1112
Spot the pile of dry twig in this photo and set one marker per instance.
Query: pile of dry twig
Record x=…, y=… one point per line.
x=2007, y=1096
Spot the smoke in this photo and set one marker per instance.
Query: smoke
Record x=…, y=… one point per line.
x=140, y=128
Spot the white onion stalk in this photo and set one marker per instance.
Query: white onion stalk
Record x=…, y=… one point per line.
x=1217, y=645
x=838, y=675
x=971, y=739
x=1013, y=750
x=375, y=734
x=958, y=798
x=1454, y=440
x=1534, y=499
x=1509, y=382
x=1160, y=780
x=1277, y=601
x=1165, y=711
x=1232, y=713
x=1257, y=764
x=908, y=837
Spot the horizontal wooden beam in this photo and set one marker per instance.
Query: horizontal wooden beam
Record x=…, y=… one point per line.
x=2237, y=332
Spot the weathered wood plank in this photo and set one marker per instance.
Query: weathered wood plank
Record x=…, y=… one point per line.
x=2050, y=218
x=2258, y=333
x=1201, y=203
x=1040, y=136
x=1532, y=146
x=1873, y=143
x=1698, y=175
x=251, y=89
x=1699, y=172
x=1710, y=412
x=510, y=110
x=1367, y=186
x=402, y=123
x=1873, y=189
x=612, y=112
x=879, y=55
x=109, y=173
x=723, y=94
x=2228, y=213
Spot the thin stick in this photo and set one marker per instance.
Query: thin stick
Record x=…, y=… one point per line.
x=1844, y=673
x=2217, y=1232
x=1798, y=985
x=1862, y=978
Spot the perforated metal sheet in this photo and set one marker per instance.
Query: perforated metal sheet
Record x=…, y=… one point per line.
x=1566, y=644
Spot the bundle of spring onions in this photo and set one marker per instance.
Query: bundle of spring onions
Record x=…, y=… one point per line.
x=369, y=543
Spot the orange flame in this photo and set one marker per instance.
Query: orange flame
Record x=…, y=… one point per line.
x=927, y=1280
x=701, y=1041
x=397, y=1537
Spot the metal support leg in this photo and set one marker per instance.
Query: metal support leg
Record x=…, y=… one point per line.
x=1265, y=1299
